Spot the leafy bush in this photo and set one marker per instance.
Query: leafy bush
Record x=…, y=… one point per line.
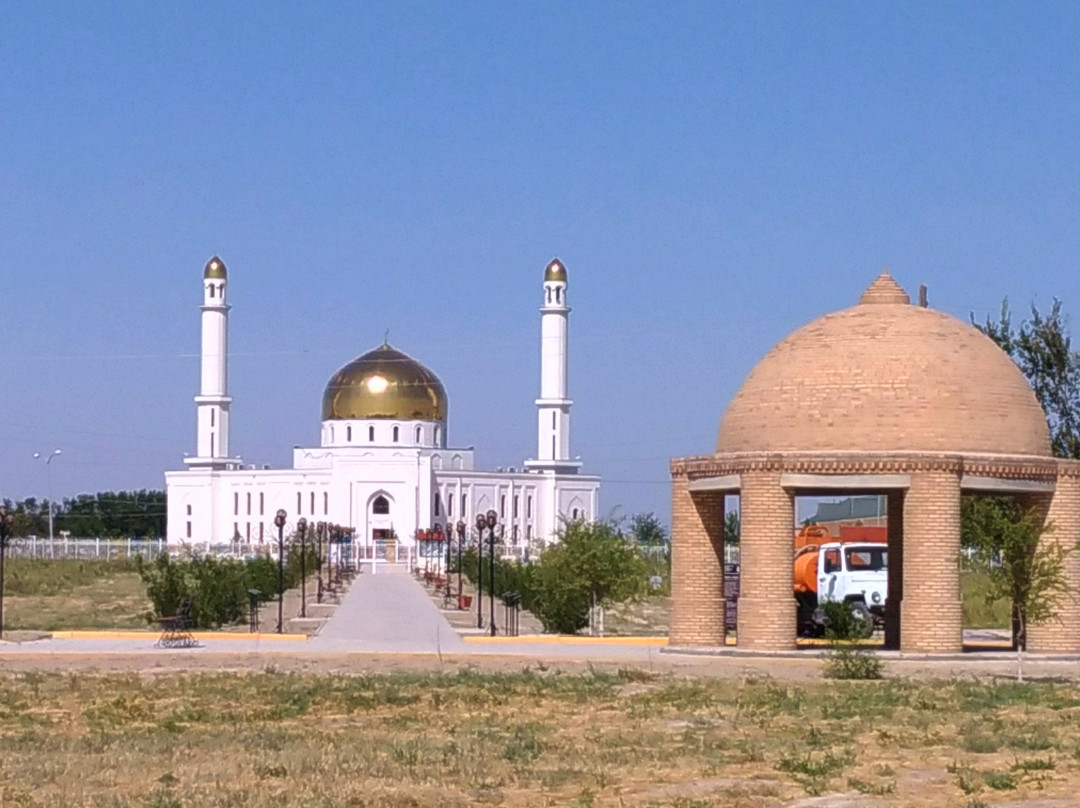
x=217, y=586
x=848, y=662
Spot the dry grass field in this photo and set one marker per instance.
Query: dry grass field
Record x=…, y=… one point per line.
x=624, y=738
x=52, y=595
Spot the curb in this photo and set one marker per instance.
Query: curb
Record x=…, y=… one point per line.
x=566, y=639
x=153, y=635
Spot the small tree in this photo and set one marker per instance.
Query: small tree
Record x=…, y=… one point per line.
x=1004, y=540
x=590, y=568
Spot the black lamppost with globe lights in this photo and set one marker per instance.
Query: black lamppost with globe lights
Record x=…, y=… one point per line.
x=279, y=520
x=7, y=523
x=491, y=520
x=301, y=528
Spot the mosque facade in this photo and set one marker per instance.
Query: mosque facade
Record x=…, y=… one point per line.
x=384, y=467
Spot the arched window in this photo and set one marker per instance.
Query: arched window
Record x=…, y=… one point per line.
x=558, y=294
x=575, y=513
x=396, y=434
x=438, y=436
x=211, y=287
x=548, y=290
x=438, y=504
x=189, y=510
x=380, y=506
x=371, y=434
x=325, y=503
x=348, y=434
x=419, y=434
x=299, y=502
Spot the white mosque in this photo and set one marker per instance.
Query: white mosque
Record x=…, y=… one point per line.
x=384, y=466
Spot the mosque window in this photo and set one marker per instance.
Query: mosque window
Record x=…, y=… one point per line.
x=312, y=503
x=419, y=434
x=326, y=503
x=262, y=502
x=189, y=510
x=575, y=513
x=528, y=508
x=331, y=434
x=438, y=435
x=299, y=502
x=450, y=505
x=211, y=444
x=380, y=506
x=558, y=294
x=396, y=434
x=371, y=434
x=516, y=499
x=348, y=434
x=548, y=290
x=528, y=531
x=247, y=532
x=249, y=504
x=502, y=506
x=261, y=532
x=189, y=530
x=211, y=288
x=553, y=419
x=212, y=413
x=236, y=503
x=438, y=504
x=464, y=504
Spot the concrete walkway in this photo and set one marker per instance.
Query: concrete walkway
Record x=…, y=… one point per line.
x=387, y=613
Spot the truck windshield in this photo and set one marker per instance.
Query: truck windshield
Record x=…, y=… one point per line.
x=867, y=559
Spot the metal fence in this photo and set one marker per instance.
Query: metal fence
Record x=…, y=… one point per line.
x=94, y=549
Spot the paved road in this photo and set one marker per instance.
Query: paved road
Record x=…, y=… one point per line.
x=390, y=613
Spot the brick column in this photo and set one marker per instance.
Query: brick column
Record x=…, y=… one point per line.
x=895, y=593
x=697, y=566
x=1062, y=636
x=930, y=613
x=767, y=599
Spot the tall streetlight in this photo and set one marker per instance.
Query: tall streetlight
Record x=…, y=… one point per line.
x=492, y=518
x=301, y=527
x=460, y=542
x=7, y=521
x=480, y=523
x=279, y=520
x=320, y=532
x=48, y=478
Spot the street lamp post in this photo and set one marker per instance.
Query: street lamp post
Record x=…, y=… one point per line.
x=279, y=520
x=7, y=520
x=302, y=527
x=320, y=531
x=480, y=522
x=48, y=480
x=460, y=542
x=491, y=519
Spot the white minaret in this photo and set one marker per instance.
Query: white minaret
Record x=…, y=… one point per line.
x=553, y=406
x=212, y=403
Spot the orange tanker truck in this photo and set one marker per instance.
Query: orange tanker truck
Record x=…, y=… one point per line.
x=855, y=573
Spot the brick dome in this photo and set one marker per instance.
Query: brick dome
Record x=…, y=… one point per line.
x=886, y=376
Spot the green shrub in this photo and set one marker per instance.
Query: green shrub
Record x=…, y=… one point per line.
x=844, y=661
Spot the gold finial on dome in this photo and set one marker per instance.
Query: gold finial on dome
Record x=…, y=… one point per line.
x=215, y=268
x=885, y=290
x=555, y=271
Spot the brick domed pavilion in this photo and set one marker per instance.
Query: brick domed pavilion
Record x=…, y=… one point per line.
x=885, y=398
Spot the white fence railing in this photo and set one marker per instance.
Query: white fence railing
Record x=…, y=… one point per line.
x=94, y=549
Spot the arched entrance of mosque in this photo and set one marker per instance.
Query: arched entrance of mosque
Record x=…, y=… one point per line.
x=380, y=527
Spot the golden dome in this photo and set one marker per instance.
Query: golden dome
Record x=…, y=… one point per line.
x=886, y=376
x=215, y=268
x=384, y=383
x=555, y=271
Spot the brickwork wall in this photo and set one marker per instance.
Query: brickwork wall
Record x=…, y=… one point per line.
x=697, y=566
x=930, y=613
x=895, y=595
x=766, y=599
x=1062, y=635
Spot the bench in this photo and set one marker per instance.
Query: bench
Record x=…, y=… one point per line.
x=176, y=629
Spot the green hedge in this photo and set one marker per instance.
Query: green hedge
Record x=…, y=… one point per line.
x=217, y=586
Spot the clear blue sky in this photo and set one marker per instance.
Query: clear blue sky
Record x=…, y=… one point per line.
x=713, y=175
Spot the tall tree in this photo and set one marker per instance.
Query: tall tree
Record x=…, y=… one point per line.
x=1042, y=348
x=1003, y=539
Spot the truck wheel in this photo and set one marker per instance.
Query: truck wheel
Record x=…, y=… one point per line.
x=864, y=621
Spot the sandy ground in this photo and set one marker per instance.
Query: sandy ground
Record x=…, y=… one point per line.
x=786, y=669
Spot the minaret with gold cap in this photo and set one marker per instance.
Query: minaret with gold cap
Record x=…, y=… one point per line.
x=212, y=402
x=553, y=433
